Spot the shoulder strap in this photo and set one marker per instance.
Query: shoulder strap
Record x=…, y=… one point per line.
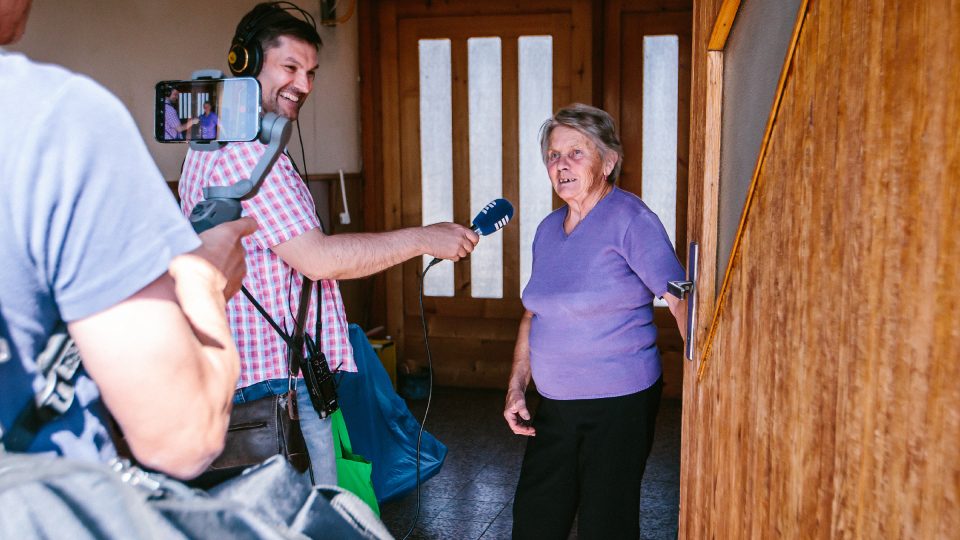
x=295, y=353
x=295, y=341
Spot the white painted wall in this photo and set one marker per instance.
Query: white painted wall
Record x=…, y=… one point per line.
x=129, y=45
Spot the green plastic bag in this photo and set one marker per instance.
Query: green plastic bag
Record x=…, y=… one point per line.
x=353, y=470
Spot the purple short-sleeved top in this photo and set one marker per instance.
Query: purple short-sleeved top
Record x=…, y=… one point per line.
x=591, y=294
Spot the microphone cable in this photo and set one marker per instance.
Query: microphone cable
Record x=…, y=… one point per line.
x=426, y=343
x=303, y=157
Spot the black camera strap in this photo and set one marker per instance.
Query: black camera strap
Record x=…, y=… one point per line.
x=295, y=356
x=293, y=341
x=316, y=373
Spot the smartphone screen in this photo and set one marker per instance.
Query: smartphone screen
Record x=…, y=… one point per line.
x=206, y=110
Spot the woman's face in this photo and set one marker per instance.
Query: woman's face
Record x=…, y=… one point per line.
x=576, y=166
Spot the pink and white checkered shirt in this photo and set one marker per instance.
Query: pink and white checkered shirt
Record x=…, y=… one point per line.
x=284, y=209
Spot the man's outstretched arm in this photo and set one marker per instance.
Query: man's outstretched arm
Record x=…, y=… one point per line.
x=356, y=255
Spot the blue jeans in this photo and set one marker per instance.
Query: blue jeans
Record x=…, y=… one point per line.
x=316, y=432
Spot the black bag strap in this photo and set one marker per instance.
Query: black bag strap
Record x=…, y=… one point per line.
x=293, y=341
x=295, y=355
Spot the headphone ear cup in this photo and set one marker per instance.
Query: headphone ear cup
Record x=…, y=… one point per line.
x=256, y=59
x=245, y=61
x=237, y=59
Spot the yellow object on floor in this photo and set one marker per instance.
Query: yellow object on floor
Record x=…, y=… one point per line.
x=387, y=352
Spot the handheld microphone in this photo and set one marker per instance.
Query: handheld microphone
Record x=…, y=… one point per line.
x=492, y=217
x=489, y=220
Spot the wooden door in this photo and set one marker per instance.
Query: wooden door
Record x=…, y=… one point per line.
x=472, y=335
x=823, y=402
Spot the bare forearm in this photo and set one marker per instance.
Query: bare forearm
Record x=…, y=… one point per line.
x=199, y=290
x=165, y=370
x=515, y=410
x=678, y=308
x=347, y=256
x=204, y=384
x=520, y=371
x=357, y=255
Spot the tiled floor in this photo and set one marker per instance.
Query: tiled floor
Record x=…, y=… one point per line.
x=472, y=495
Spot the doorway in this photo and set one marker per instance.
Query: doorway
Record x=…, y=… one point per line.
x=463, y=89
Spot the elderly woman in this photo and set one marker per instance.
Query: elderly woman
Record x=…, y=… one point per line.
x=588, y=340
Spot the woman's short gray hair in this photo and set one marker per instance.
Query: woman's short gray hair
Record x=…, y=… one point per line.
x=594, y=123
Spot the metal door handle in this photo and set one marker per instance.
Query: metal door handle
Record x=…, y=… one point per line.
x=688, y=289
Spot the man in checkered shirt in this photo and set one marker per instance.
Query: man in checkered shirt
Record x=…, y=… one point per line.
x=290, y=242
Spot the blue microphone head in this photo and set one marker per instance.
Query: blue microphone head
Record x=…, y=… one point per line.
x=492, y=217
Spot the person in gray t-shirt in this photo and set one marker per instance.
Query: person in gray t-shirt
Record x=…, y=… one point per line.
x=93, y=240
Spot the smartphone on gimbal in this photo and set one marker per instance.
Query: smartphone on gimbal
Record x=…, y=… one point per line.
x=207, y=110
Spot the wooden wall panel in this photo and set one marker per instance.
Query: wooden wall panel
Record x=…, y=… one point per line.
x=829, y=404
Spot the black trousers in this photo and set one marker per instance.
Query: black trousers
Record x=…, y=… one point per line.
x=588, y=454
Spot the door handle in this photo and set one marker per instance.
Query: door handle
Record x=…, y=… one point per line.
x=688, y=290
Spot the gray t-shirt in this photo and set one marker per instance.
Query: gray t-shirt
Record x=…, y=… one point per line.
x=86, y=221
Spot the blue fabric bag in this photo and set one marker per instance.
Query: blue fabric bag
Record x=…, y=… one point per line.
x=382, y=429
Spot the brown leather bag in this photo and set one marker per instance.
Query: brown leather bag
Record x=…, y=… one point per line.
x=268, y=426
x=261, y=429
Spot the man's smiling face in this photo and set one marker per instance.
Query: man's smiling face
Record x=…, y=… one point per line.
x=287, y=76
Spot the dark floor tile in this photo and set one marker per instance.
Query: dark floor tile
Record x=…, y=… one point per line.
x=489, y=492
x=446, y=529
x=443, y=488
x=499, y=474
x=419, y=532
x=497, y=534
x=657, y=526
x=406, y=508
x=479, y=511
x=501, y=527
x=465, y=472
x=658, y=473
x=507, y=512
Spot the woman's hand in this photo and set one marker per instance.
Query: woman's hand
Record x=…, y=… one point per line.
x=516, y=413
x=515, y=410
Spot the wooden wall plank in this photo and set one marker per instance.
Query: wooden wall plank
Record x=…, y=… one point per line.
x=461, y=152
x=390, y=101
x=510, y=92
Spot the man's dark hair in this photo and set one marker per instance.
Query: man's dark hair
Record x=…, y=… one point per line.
x=271, y=20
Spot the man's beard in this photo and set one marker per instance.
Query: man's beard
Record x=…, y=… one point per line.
x=291, y=111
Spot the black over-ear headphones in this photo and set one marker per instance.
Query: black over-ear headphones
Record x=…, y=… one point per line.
x=246, y=55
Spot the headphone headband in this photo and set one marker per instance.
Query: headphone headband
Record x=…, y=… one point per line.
x=245, y=57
